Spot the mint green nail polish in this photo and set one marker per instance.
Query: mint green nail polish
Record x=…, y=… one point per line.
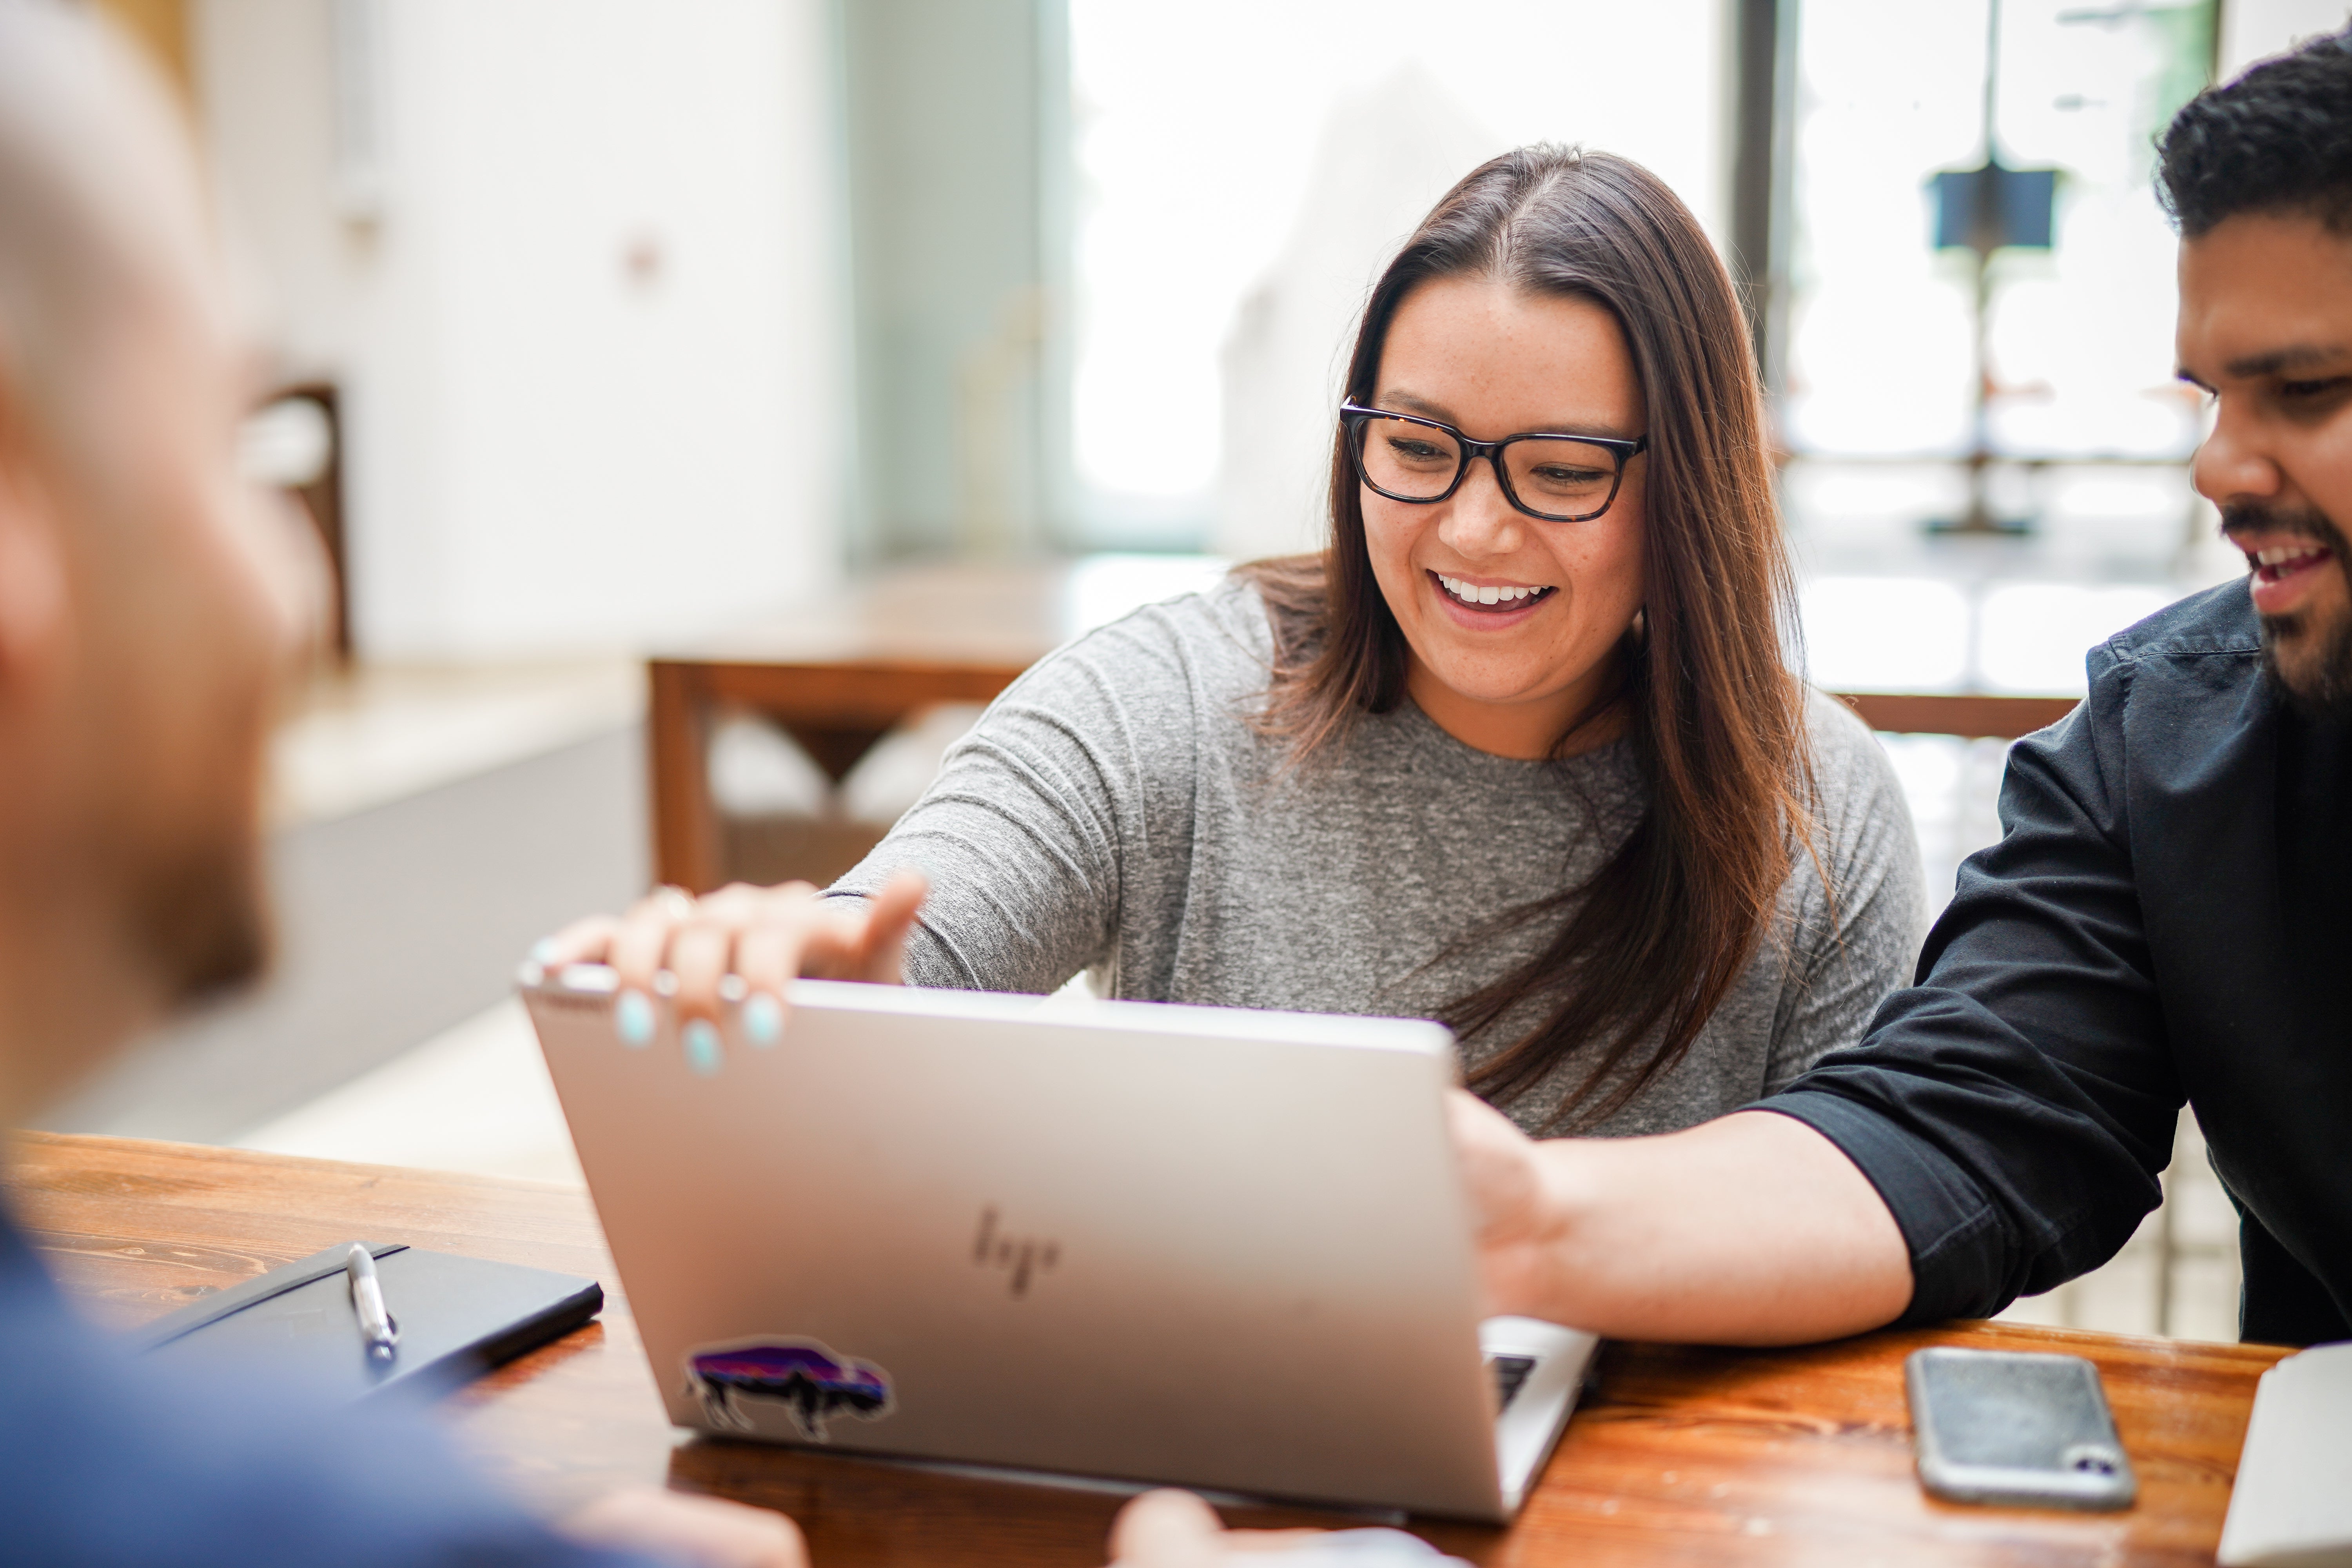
x=632, y=1020
x=543, y=951
x=702, y=1053
x=763, y=1019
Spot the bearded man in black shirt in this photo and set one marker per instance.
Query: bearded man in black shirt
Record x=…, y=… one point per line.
x=2167, y=918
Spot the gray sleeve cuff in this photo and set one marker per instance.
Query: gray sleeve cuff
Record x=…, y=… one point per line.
x=1958, y=1256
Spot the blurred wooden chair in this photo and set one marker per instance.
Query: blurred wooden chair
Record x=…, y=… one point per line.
x=837, y=683
x=293, y=441
x=835, y=711
x=1949, y=713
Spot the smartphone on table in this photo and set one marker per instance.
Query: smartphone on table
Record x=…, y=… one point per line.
x=2015, y=1427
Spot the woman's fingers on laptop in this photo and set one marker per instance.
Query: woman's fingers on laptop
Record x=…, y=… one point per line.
x=713, y=940
x=825, y=940
x=768, y=936
x=584, y=941
x=889, y=916
x=641, y=942
x=771, y=951
x=699, y=954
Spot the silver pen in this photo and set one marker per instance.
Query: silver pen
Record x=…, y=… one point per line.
x=376, y=1326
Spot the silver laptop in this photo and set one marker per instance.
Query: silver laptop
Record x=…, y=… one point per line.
x=1195, y=1246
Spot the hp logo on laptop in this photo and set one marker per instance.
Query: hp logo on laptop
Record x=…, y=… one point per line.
x=1023, y=1257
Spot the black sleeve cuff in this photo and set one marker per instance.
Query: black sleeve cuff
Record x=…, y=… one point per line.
x=1959, y=1263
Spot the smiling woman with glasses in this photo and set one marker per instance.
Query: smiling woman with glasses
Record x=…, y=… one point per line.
x=1519, y=750
x=1548, y=475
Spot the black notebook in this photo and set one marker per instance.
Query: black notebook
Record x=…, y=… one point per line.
x=457, y=1318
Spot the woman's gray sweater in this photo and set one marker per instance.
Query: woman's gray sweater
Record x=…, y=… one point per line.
x=1114, y=811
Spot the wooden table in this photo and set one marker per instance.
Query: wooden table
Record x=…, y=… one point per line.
x=1679, y=1455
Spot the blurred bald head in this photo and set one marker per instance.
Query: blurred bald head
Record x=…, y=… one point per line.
x=100, y=219
x=145, y=600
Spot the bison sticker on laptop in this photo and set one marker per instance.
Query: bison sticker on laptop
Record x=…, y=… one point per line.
x=803, y=1377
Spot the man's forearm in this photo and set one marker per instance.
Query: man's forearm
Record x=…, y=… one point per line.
x=1752, y=1229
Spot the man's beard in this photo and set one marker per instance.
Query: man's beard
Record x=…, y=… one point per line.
x=2321, y=686
x=199, y=921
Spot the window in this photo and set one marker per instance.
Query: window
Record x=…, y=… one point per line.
x=1243, y=171
x=2078, y=336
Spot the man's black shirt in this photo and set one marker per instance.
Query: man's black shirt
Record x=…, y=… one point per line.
x=2166, y=917
x=2314, y=840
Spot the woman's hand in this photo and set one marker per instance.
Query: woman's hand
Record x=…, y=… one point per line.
x=768, y=936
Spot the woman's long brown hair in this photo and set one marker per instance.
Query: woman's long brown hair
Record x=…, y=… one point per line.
x=1650, y=945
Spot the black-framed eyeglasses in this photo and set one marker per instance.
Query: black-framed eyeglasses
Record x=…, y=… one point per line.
x=1556, y=477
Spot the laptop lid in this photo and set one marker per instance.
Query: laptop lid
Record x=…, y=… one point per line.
x=1201, y=1245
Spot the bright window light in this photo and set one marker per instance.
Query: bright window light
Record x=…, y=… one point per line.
x=1885, y=633
x=1207, y=164
x=2079, y=336
x=2035, y=635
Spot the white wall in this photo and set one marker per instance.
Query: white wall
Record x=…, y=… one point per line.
x=2253, y=29
x=588, y=325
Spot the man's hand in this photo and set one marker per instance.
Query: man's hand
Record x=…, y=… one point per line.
x=699, y=1531
x=1749, y=1229
x=1518, y=1225
x=769, y=936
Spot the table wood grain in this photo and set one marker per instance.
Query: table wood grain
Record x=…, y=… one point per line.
x=1679, y=1455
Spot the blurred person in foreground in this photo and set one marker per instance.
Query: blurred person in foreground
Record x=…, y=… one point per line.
x=147, y=610
x=2167, y=919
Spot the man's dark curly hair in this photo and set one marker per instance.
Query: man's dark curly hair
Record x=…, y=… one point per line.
x=2278, y=139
